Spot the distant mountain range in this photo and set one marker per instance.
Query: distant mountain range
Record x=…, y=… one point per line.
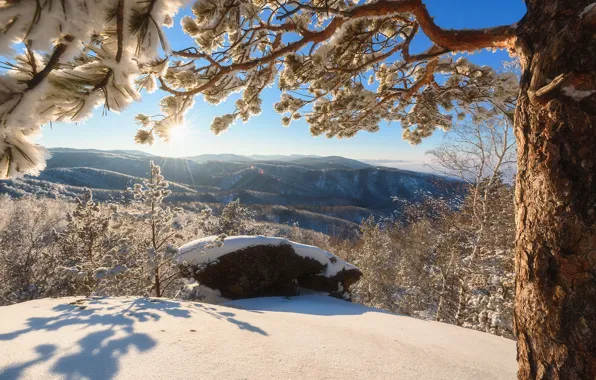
x=338, y=187
x=330, y=162
x=238, y=158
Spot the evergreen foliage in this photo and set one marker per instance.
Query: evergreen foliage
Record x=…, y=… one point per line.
x=343, y=66
x=162, y=224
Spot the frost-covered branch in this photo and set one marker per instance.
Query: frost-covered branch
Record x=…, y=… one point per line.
x=77, y=56
x=322, y=70
x=342, y=65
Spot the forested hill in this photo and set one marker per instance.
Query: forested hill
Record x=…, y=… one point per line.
x=346, y=189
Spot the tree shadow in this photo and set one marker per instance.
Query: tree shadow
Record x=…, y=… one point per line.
x=100, y=351
x=229, y=317
x=79, y=313
x=167, y=306
x=44, y=352
x=99, y=355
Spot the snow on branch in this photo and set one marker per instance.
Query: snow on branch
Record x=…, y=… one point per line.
x=77, y=55
x=343, y=65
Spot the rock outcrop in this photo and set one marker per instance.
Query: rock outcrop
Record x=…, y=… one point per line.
x=257, y=266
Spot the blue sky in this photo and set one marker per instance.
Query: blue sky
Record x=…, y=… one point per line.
x=264, y=134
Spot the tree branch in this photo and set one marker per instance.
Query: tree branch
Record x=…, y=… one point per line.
x=444, y=40
x=59, y=50
x=463, y=40
x=120, y=29
x=460, y=40
x=309, y=36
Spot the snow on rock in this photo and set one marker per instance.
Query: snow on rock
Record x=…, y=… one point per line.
x=203, y=251
x=258, y=266
x=305, y=337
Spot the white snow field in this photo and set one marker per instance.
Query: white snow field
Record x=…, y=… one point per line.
x=303, y=337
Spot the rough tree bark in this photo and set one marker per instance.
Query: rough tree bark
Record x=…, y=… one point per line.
x=555, y=125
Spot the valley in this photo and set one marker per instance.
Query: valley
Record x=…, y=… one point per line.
x=324, y=194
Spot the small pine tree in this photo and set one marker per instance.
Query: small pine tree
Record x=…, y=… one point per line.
x=161, y=224
x=233, y=220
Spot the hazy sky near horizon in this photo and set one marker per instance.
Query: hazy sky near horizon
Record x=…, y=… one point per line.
x=264, y=134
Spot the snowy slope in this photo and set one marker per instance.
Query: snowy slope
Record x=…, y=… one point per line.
x=305, y=337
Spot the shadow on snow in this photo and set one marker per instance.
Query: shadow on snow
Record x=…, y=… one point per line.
x=99, y=351
x=229, y=317
x=304, y=304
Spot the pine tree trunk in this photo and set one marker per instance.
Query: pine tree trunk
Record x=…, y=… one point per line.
x=461, y=303
x=157, y=283
x=441, y=299
x=555, y=122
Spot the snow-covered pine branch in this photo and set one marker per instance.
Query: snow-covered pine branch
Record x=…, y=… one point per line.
x=66, y=58
x=344, y=66
x=323, y=74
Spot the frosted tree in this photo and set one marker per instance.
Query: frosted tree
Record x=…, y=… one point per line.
x=376, y=256
x=486, y=275
x=473, y=273
x=108, y=52
x=233, y=220
x=428, y=261
x=344, y=67
x=160, y=226
x=403, y=259
x=28, y=247
x=89, y=252
x=428, y=231
x=478, y=154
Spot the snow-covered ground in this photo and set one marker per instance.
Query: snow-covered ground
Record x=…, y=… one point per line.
x=304, y=337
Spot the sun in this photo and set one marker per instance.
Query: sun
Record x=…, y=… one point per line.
x=179, y=133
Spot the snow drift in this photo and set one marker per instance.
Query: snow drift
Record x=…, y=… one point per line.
x=305, y=337
x=257, y=266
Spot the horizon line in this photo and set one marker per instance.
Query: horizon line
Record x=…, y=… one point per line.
x=244, y=155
